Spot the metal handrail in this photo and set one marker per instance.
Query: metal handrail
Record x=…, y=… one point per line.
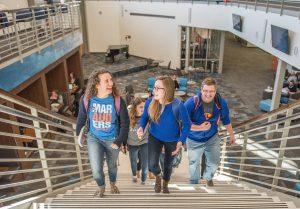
x=265, y=143
x=30, y=29
x=50, y=149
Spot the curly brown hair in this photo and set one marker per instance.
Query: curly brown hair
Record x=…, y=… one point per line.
x=93, y=80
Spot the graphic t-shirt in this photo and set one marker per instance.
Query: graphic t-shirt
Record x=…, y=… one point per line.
x=208, y=109
x=102, y=115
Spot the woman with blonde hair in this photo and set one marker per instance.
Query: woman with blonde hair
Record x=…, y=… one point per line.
x=135, y=145
x=169, y=127
x=104, y=114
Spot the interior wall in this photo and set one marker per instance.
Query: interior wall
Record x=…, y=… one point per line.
x=159, y=37
x=102, y=19
x=14, y=4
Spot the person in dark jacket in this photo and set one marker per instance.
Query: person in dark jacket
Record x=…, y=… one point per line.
x=105, y=113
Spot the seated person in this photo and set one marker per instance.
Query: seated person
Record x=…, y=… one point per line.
x=174, y=78
x=292, y=87
x=74, y=83
x=56, y=101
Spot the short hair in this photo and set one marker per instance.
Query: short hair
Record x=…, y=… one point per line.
x=209, y=82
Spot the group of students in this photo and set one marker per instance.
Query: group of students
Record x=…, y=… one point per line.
x=160, y=122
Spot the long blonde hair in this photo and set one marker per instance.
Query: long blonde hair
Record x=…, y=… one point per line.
x=132, y=112
x=155, y=107
x=94, y=79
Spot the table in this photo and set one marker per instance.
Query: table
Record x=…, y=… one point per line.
x=142, y=95
x=191, y=82
x=180, y=93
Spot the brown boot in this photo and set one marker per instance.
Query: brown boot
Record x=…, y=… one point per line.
x=157, y=187
x=113, y=188
x=165, y=187
x=151, y=176
x=99, y=192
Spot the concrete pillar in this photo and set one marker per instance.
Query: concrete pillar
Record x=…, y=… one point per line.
x=84, y=26
x=221, y=53
x=278, y=84
x=187, y=47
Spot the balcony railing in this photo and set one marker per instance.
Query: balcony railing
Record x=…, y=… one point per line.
x=39, y=152
x=267, y=151
x=34, y=28
x=282, y=7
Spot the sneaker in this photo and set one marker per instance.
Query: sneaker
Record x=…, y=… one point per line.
x=143, y=183
x=151, y=176
x=99, y=192
x=134, y=179
x=209, y=183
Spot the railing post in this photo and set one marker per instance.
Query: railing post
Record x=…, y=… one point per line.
x=283, y=143
x=255, y=5
x=41, y=151
x=244, y=152
x=281, y=8
x=71, y=17
x=238, y=3
x=50, y=25
x=61, y=20
x=35, y=31
x=223, y=155
x=77, y=148
x=17, y=36
x=246, y=4
x=267, y=6
x=79, y=19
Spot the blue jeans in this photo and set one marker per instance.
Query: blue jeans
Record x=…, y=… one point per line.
x=96, y=150
x=211, y=149
x=154, y=150
x=133, y=155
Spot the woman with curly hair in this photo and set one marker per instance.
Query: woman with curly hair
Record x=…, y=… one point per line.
x=104, y=113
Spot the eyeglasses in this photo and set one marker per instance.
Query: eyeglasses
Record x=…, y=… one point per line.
x=157, y=88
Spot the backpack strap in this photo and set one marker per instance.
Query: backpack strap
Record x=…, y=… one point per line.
x=118, y=104
x=85, y=102
x=175, y=108
x=218, y=100
x=197, y=102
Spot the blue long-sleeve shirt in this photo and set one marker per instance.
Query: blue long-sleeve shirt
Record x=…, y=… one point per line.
x=197, y=118
x=167, y=129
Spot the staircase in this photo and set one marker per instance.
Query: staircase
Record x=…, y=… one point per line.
x=133, y=195
x=59, y=176
x=227, y=193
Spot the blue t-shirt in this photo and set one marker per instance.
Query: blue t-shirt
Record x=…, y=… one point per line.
x=167, y=129
x=102, y=117
x=198, y=117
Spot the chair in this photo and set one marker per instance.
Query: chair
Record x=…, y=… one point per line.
x=24, y=15
x=265, y=105
x=151, y=82
x=3, y=20
x=284, y=100
x=40, y=13
x=182, y=84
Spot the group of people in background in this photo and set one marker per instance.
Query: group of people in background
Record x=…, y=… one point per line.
x=161, y=124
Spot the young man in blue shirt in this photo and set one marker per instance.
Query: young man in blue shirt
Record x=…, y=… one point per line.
x=206, y=110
